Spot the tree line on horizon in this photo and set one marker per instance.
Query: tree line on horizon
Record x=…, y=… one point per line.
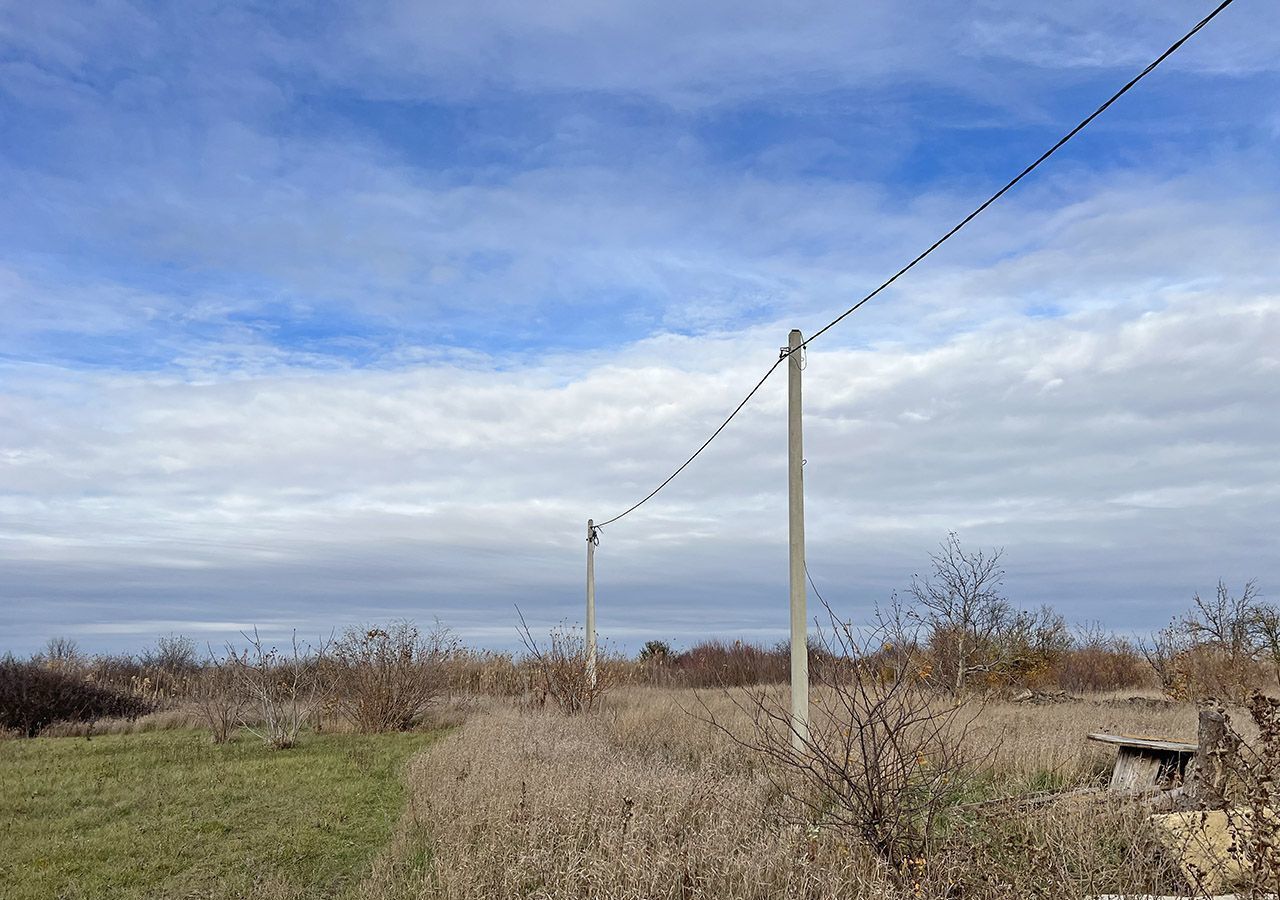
x=955, y=627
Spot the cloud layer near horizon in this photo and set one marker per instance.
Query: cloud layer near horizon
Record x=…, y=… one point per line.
x=1121, y=461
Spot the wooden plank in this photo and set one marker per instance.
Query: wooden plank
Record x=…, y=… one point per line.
x=1144, y=743
x=1135, y=771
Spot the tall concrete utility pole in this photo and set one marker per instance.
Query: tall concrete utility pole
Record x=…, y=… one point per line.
x=795, y=528
x=591, y=601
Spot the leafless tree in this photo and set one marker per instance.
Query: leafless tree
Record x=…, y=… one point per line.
x=1226, y=623
x=1267, y=635
x=1166, y=653
x=1218, y=646
x=282, y=688
x=62, y=653
x=883, y=758
x=176, y=654
x=965, y=612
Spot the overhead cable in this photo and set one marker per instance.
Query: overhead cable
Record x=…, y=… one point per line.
x=1084, y=123
x=715, y=434
x=1025, y=172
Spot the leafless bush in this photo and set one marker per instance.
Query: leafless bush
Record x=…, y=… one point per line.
x=385, y=679
x=883, y=758
x=218, y=695
x=282, y=689
x=561, y=669
x=1102, y=661
x=1222, y=647
x=34, y=695
x=714, y=663
x=62, y=653
x=156, y=677
x=174, y=654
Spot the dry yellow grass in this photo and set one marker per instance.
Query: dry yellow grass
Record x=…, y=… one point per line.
x=644, y=800
x=1036, y=741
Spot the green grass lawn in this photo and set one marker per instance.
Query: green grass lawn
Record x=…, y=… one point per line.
x=168, y=814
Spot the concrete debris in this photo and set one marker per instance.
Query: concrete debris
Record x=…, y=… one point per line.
x=1028, y=696
x=1210, y=846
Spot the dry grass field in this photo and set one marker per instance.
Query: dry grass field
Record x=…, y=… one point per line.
x=646, y=800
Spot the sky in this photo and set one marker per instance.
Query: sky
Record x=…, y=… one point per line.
x=317, y=314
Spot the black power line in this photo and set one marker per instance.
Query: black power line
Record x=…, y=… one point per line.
x=1173, y=48
x=715, y=434
x=1027, y=171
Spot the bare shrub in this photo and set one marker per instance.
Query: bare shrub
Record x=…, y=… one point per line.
x=34, y=696
x=883, y=758
x=174, y=654
x=1032, y=647
x=219, y=698
x=62, y=653
x=118, y=671
x=1224, y=646
x=561, y=672
x=1102, y=661
x=282, y=689
x=721, y=663
x=144, y=676
x=385, y=679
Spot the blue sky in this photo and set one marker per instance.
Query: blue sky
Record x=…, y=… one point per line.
x=317, y=313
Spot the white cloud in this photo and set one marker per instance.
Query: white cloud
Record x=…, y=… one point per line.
x=1084, y=375
x=1149, y=467
x=725, y=52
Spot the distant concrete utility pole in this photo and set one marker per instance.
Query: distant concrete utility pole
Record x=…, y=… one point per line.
x=795, y=527
x=591, y=601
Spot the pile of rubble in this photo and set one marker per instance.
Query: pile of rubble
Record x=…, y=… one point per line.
x=1037, y=697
